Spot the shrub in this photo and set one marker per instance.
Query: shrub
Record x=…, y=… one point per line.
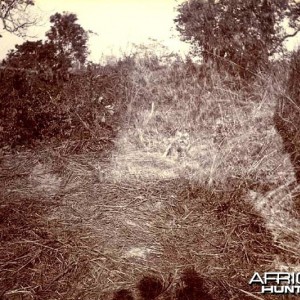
x=85, y=105
x=287, y=115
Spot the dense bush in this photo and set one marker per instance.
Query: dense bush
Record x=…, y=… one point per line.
x=238, y=36
x=85, y=105
x=287, y=115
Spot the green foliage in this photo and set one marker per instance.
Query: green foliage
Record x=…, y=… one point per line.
x=235, y=34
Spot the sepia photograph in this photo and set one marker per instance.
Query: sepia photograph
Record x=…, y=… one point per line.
x=149, y=149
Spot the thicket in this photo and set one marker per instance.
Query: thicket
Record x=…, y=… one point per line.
x=49, y=92
x=287, y=114
x=235, y=35
x=84, y=106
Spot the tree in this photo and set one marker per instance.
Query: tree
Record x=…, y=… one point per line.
x=14, y=16
x=34, y=55
x=66, y=44
x=237, y=34
x=69, y=40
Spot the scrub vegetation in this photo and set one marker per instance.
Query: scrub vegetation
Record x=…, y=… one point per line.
x=148, y=177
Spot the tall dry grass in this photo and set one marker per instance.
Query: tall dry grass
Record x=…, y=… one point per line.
x=231, y=129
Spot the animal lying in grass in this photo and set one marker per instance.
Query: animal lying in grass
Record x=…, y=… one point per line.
x=179, y=146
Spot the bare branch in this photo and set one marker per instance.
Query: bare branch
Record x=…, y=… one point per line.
x=15, y=17
x=273, y=51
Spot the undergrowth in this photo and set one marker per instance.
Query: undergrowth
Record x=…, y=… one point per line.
x=87, y=106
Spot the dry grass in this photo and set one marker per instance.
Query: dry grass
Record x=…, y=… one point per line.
x=93, y=236
x=87, y=226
